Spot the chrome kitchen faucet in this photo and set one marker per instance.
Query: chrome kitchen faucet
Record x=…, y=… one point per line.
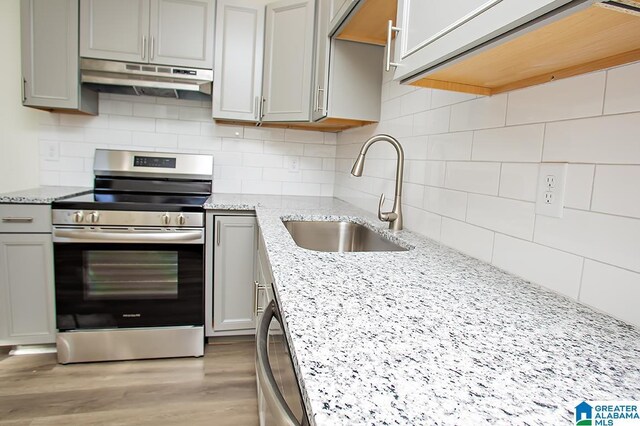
x=394, y=217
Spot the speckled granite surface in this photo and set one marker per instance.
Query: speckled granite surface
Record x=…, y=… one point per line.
x=42, y=194
x=431, y=336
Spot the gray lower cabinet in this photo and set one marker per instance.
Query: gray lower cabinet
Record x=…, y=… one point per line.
x=27, y=313
x=234, y=282
x=50, y=76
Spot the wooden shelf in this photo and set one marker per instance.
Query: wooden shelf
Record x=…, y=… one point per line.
x=369, y=22
x=589, y=40
x=326, y=125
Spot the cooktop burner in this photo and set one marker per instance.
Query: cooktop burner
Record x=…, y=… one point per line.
x=134, y=202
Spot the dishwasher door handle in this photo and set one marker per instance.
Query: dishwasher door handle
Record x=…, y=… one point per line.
x=267, y=382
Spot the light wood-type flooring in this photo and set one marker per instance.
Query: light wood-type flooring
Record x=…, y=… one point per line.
x=218, y=389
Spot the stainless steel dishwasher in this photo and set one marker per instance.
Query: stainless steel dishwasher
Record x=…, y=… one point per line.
x=279, y=398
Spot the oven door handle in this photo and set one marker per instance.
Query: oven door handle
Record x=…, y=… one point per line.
x=69, y=235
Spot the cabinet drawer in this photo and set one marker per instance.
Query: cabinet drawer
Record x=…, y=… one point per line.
x=25, y=218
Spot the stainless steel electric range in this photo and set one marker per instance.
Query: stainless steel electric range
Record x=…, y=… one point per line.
x=129, y=259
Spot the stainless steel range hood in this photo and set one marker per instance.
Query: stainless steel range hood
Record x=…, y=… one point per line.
x=146, y=79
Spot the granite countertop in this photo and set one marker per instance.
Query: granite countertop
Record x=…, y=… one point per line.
x=430, y=335
x=42, y=194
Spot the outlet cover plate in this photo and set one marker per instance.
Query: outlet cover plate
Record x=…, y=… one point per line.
x=551, y=179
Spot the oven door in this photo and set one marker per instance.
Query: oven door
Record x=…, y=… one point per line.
x=121, y=278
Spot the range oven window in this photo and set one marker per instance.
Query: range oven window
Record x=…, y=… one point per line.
x=128, y=274
x=117, y=285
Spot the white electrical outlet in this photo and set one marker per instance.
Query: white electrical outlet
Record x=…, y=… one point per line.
x=294, y=164
x=551, y=183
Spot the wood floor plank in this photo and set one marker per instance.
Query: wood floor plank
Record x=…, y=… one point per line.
x=35, y=390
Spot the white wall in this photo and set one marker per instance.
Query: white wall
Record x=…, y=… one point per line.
x=471, y=170
x=247, y=159
x=18, y=125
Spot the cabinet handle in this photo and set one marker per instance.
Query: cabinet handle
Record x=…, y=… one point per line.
x=319, y=99
x=387, y=63
x=24, y=90
x=144, y=47
x=218, y=233
x=17, y=220
x=256, y=286
x=256, y=107
x=262, y=107
x=153, y=45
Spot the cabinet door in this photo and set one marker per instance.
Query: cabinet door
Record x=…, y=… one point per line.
x=288, y=60
x=181, y=33
x=321, y=70
x=50, y=53
x=239, y=47
x=26, y=289
x=114, y=29
x=233, y=273
x=432, y=31
x=338, y=12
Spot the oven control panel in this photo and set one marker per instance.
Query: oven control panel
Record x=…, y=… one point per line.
x=127, y=218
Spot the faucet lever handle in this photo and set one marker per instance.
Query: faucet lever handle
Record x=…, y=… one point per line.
x=381, y=215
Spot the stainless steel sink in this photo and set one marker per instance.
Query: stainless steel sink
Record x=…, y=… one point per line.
x=338, y=236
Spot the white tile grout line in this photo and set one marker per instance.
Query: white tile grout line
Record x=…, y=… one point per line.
x=593, y=185
x=581, y=278
x=604, y=91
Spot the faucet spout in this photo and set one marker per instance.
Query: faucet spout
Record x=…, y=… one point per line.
x=394, y=217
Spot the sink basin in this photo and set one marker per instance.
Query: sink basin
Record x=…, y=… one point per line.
x=337, y=237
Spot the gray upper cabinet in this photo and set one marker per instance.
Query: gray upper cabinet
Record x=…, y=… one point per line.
x=288, y=59
x=115, y=29
x=181, y=33
x=338, y=11
x=432, y=32
x=50, y=78
x=239, y=44
x=321, y=69
x=165, y=32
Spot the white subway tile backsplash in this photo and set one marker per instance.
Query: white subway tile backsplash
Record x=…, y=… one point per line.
x=61, y=133
x=577, y=194
x=390, y=109
x=423, y=222
x=416, y=101
x=264, y=133
x=616, y=191
x=477, y=177
x=576, y=97
x=299, y=188
x=303, y=136
x=519, y=181
x=480, y=113
x=608, y=139
x=510, y=217
x=178, y=127
x=282, y=175
x=77, y=120
x=469, y=239
x=262, y=160
x=121, y=122
x=412, y=195
x=317, y=176
x=612, y=290
x=550, y=268
x=445, y=202
x=227, y=186
x=324, y=151
x=623, y=91
x=330, y=138
x=415, y=147
x=221, y=130
x=440, y=98
x=516, y=144
x=434, y=173
x=450, y=146
x=205, y=143
x=242, y=145
x=103, y=136
x=261, y=187
x=156, y=111
x=115, y=107
x=283, y=148
x=431, y=122
x=311, y=163
x=77, y=149
x=329, y=164
x=164, y=141
x=606, y=238
x=76, y=179
x=194, y=113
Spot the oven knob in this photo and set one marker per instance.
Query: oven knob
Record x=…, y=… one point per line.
x=94, y=217
x=181, y=219
x=165, y=218
x=78, y=216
